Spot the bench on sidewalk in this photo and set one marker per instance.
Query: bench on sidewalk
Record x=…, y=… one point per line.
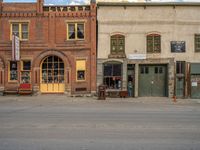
x=25, y=88
x=13, y=90
x=115, y=94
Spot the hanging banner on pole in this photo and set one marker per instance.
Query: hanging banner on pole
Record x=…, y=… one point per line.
x=15, y=48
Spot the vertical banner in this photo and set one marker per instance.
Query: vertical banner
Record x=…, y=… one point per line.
x=15, y=48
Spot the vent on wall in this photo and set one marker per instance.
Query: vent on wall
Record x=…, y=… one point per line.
x=80, y=89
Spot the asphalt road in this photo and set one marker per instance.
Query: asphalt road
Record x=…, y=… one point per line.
x=50, y=123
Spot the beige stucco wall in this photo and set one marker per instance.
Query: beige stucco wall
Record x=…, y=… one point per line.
x=178, y=23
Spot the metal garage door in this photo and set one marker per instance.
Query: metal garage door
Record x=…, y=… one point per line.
x=195, y=80
x=152, y=80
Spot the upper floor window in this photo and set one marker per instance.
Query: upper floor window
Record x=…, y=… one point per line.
x=197, y=42
x=20, y=30
x=153, y=43
x=75, y=31
x=117, y=44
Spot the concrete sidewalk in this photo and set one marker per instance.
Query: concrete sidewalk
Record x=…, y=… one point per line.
x=57, y=98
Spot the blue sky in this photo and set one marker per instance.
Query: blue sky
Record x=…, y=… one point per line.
x=76, y=2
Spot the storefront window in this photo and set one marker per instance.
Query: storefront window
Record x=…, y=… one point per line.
x=26, y=71
x=80, y=70
x=53, y=70
x=113, y=75
x=13, y=76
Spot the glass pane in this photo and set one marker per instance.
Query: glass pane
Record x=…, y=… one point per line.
x=13, y=70
x=25, y=27
x=156, y=70
x=55, y=65
x=80, y=31
x=15, y=27
x=24, y=35
x=117, y=69
x=25, y=77
x=146, y=70
x=50, y=76
x=160, y=70
x=44, y=76
x=61, y=65
x=107, y=70
x=71, y=31
x=44, y=66
x=80, y=75
x=26, y=65
x=50, y=65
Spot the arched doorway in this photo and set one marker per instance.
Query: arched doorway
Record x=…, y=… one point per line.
x=52, y=75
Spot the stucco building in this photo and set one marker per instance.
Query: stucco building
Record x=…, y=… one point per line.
x=149, y=49
x=57, y=47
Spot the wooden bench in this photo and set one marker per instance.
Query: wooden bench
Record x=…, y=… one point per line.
x=115, y=94
x=25, y=88
x=123, y=94
x=13, y=90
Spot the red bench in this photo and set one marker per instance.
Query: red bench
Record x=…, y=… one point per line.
x=25, y=88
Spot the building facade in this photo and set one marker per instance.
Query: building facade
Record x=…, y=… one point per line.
x=57, y=47
x=149, y=49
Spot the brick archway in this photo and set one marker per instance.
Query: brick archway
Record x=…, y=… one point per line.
x=41, y=56
x=37, y=68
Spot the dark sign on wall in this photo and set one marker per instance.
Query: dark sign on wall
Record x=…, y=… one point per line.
x=177, y=46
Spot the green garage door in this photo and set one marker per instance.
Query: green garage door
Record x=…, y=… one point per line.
x=152, y=80
x=195, y=80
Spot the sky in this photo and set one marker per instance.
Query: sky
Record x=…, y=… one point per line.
x=77, y=2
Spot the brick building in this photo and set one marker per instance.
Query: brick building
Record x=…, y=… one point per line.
x=57, y=47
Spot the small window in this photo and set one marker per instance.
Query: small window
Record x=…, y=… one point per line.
x=117, y=44
x=75, y=31
x=80, y=70
x=26, y=71
x=13, y=75
x=180, y=67
x=197, y=42
x=20, y=30
x=153, y=43
x=144, y=70
x=158, y=70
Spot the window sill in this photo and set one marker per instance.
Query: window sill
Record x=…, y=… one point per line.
x=117, y=55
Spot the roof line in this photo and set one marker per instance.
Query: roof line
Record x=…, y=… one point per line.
x=148, y=3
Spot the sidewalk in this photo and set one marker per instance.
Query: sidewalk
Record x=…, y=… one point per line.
x=54, y=98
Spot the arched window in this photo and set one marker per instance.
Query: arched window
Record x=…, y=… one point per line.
x=153, y=43
x=117, y=44
x=113, y=75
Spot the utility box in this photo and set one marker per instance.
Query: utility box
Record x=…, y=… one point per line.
x=101, y=92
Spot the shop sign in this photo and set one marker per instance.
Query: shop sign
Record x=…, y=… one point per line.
x=194, y=84
x=15, y=48
x=177, y=46
x=137, y=56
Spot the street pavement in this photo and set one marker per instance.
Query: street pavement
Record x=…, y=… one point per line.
x=57, y=122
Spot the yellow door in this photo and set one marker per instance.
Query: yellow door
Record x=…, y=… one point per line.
x=52, y=75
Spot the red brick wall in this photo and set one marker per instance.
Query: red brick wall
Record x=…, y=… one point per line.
x=47, y=36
